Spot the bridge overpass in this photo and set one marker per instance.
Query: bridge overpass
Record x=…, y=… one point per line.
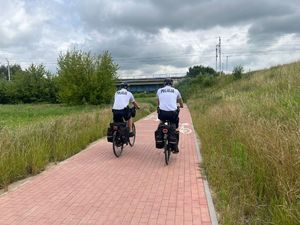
x=150, y=84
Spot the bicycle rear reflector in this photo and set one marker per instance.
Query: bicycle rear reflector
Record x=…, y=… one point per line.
x=165, y=130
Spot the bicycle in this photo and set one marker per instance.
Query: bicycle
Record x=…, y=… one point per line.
x=169, y=144
x=167, y=137
x=118, y=134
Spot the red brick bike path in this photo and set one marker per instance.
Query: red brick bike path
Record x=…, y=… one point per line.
x=95, y=187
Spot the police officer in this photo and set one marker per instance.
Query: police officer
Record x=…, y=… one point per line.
x=168, y=97
x=120, y=109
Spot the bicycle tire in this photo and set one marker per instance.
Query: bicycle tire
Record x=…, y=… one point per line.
x=132, y=139
x=117, y=147
x=167, y=152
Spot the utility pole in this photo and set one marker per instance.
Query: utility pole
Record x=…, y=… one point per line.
x=217, y=58
x=220, y=55
x=227, y=63
x=8, y=69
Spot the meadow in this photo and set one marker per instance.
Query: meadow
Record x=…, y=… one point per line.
x=32, y=136
x=250, y=137
x=21, y=114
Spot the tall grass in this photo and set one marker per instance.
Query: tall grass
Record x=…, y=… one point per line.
x=21, y=114
x=251, y=145
x=27, y=150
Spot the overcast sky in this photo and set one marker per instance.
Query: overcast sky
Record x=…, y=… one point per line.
x=148, y=37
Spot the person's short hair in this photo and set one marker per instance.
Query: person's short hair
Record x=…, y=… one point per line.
x=168, y=81
x=124, y=85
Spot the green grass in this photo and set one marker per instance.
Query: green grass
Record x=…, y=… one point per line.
x=250, y=136
x=148, y=100
x=40, y=134
x=19, y=115
x=145, y=95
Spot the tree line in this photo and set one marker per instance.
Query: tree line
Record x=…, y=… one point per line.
x=81, y=79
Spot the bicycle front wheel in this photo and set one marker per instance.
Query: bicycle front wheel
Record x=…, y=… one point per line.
x=117, y=144
x=132, y=139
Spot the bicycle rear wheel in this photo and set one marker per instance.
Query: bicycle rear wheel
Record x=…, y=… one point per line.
x=117, y=144
x=132, y=139
x=167, y=152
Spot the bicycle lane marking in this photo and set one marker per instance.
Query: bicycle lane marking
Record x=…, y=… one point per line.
x=184, y=128
x=95, y=187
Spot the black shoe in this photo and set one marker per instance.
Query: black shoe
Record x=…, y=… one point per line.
x=131, y=134
x=176, y=150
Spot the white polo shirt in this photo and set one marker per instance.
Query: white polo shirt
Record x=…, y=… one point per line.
x=122, y=99
x=168, y=98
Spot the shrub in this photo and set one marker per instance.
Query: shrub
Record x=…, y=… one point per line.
x=86, y=79
x=238, y=72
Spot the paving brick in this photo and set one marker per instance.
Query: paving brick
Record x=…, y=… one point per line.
x=95, y=187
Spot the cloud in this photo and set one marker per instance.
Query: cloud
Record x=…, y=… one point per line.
x=20, y=26
x=143, y=29
x=36, y=31
x=275, y=27
x=152, y=36
x=152, y=15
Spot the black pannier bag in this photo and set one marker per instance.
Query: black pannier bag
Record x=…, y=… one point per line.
x=122, y=129
x=172, y=138
x=159, y=136
x=133, y=111
x=124, y=132
x=110, y=132
x=159, y=139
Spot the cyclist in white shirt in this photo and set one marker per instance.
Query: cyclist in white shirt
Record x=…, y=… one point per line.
x=120, y=109
x=168, y=97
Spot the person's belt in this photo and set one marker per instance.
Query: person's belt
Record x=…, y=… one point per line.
x=120, y=109
x=158, y=109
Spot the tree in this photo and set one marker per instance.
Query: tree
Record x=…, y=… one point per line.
x=86, y=79
x=51, y=88
x=35, y=84
x=200, y=70
x=14, y=70
x=32, y=85
x=3, y=72
x=4, y=97
x=103, y=80
x=238, y=72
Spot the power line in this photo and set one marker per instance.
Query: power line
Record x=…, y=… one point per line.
x=177, y=55
x=183, y=56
